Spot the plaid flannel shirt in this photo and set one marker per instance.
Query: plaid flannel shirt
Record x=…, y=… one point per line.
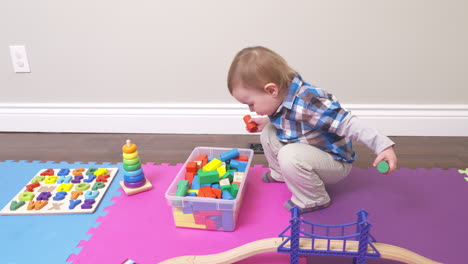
x=311, y=115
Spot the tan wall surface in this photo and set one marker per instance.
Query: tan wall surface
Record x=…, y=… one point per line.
x=142, y=51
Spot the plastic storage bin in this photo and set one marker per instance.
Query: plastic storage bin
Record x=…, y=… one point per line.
x=202, y=212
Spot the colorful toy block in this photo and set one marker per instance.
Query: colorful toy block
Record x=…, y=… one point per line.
x=225, y=184
x=239, y=165
x=195, y=183
x=182, y=188
x=238, y=177
x=208, y=177
x=229, y=175
x=226, y=194
x=192, y=167
x=234, y=189
x=192, y=192
x=251, y=127
x=221, y=170
x=212, y=165
x=242, y=158
x=383, y=167
x=189, y=177
x=231, y=154
x=203, y=158
x=181, y=217
x=206, y=192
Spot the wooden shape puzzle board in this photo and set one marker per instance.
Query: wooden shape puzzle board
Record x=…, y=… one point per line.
x=62, y=191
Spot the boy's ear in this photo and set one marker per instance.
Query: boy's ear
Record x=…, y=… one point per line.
x=271, y=89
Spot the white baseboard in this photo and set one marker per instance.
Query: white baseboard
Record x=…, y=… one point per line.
x=392, y=120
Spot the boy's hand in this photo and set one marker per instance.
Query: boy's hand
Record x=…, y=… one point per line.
x=388, y=155
x=261, y=122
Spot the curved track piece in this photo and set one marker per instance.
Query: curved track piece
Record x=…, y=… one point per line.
x=271, y=244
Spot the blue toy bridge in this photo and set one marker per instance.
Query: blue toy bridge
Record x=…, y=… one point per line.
x=307, y=238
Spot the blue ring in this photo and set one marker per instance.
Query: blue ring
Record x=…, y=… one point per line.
x=133, y=173
x=136, y=178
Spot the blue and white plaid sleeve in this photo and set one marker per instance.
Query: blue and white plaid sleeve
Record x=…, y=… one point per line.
x=323, y=112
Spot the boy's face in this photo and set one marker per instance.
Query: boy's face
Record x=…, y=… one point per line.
x=263, y=102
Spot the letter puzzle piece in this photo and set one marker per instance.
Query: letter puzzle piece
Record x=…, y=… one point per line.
x=52, y=191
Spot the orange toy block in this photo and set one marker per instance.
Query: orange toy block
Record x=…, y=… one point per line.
x=206, y=192
x=252, y=127
x=217, y=192
x=202, y=157
x=189, y=177
x=192, y=166
x=242, y=158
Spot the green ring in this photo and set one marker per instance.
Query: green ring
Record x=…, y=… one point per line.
x=131, y=161
x=132, y=167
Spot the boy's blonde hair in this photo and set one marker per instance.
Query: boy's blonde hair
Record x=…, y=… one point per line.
x=253, y=67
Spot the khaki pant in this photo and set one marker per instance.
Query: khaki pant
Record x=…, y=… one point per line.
x=304, y=168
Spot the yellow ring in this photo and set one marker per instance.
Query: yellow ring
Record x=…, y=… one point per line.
x=129, y=156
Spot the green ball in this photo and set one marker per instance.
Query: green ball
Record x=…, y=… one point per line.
x=383, y=167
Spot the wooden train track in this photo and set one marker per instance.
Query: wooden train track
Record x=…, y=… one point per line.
x=271, y=244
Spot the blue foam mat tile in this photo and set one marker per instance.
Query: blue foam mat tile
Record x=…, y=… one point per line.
x=76, y=250
x=43, y=231
x=63, y=163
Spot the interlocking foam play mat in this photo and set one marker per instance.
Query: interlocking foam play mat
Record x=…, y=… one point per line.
x=417, y=209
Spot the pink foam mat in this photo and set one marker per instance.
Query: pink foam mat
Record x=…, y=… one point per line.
x=405, y=209
x=141, y=227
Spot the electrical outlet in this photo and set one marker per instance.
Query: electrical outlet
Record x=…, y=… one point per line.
x=19, y=58
x=256, y=147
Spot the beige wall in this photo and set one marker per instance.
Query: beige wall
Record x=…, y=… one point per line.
x=150, y=51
